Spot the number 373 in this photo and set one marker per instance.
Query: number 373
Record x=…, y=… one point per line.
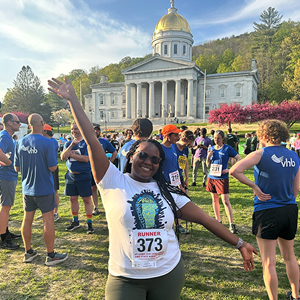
x=150, y=243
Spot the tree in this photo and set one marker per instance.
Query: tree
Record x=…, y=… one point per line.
x=27, y=95
x=292, y=83
x=270, y=19
x=288, y=112
x=22, y=116
x=227, y=114
x=62, y=116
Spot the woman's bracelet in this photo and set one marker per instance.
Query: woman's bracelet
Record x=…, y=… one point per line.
x=239, y=244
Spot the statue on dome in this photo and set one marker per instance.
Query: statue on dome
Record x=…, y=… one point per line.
x=172, y=3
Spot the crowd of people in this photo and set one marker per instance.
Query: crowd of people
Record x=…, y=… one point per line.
x=143, y=180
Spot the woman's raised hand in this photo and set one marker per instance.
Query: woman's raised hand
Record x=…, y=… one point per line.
x=64, y=90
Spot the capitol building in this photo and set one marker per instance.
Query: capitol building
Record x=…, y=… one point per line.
x=169, y=85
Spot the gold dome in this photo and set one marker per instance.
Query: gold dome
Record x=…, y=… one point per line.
x=172, y=21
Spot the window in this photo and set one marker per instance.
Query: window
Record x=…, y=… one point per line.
x=206, y=110
x=165, y=49
x=175, y=49
x=101, y=99
x=123, y=98
x=222, y=91
x=123, y=113
x=238, y=90
x=112, y=99
x=112, y=114
x=102, y=114
x=157, y=48
x=184, y=50
x=207, y=94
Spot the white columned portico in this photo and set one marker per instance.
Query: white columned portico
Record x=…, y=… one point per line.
x=190, y=98
x=177, y=97
x=151, y=99
x=128, y=101
x=164, y=99
x=139, y=100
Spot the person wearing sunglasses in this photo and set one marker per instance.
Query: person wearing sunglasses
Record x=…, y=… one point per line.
x=8, y=179
x=145, y=259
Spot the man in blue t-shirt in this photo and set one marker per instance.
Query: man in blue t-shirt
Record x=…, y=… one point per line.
x=108, y=148
x=8, y=179
x=48, y=133
x=35, y=158
x=78, y=178
x=142, y=129
x=170, y=166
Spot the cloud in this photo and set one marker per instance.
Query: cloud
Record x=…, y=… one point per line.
x=251, y=10
x=55, y=36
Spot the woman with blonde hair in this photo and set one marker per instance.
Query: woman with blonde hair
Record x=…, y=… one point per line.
x=275, y=217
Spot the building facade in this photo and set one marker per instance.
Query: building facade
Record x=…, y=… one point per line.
x=169, y=84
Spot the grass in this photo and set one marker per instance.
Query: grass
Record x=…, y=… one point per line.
x=214, y=269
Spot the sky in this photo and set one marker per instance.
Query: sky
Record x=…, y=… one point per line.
x=54, y=37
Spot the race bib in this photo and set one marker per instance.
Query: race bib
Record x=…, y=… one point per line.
x=149, y=245
x=216, y=170
x=77, y=152
x=175, y=178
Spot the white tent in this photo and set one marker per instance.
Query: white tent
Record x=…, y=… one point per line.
x=23, y=129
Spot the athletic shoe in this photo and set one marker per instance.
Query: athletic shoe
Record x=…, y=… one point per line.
x=194, y=184
x=39, y=217
x=290, y=297
x=96, y=211
x=232, y=228
x=183, y=230
x=29, y=257
x=12, y=236
x=57, y=259
x=8, y=244
x=72, y=226
x=90, y=229
x=56, y=217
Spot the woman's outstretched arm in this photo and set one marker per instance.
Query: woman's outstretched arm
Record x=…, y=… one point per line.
x=98, y=159
x=193, y=213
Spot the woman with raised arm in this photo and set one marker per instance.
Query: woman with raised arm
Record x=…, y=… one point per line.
x=275, y=217
x=145, y=260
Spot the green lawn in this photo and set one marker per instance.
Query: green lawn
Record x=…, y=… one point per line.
x=214, y=269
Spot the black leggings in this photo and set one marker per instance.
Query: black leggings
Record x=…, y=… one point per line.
x=159, y=288
x=298, y=152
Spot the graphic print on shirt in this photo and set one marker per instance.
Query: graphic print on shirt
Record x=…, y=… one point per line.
x=147, y=210
x=287, y=163
x=29, y=149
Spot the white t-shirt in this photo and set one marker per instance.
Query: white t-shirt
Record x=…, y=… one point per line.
x=131, y=205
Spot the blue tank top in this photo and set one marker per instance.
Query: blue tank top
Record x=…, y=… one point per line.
x=274, y=175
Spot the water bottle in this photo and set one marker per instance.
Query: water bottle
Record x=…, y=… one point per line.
x=209, y=148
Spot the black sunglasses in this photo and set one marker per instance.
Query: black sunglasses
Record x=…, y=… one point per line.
x=18, y=122
x=143, y=156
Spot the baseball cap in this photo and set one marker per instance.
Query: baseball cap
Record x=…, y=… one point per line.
x=47, y=127
x=170, y=128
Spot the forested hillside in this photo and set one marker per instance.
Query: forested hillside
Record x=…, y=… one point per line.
x=275, y=46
